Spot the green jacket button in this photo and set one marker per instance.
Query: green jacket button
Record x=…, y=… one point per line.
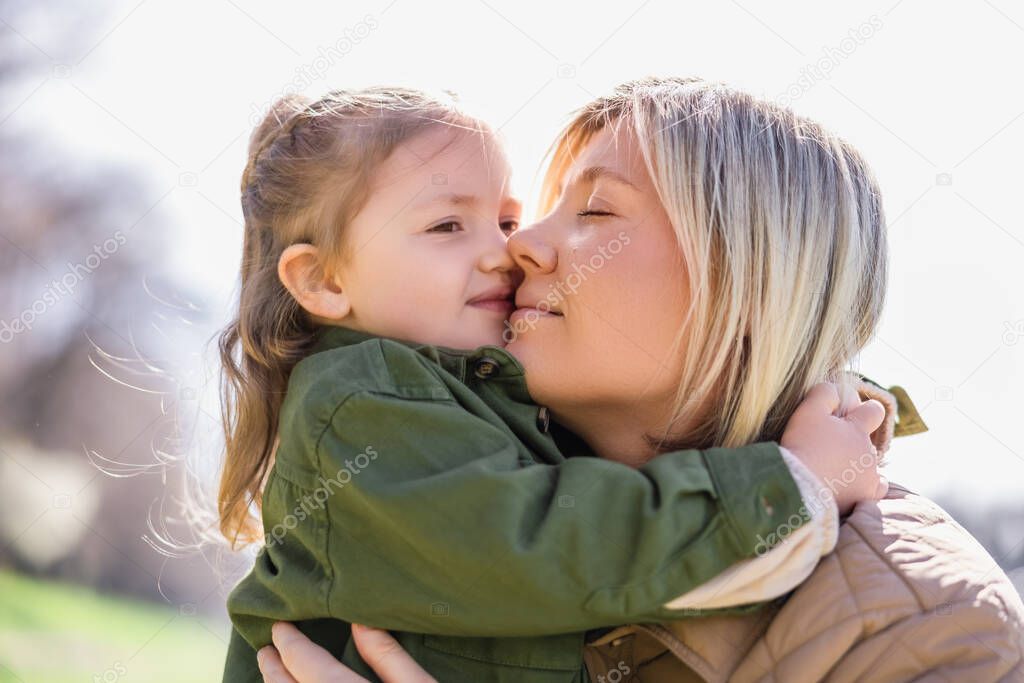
x=485, y=367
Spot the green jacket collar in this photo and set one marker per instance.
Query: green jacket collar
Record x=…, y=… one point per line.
x=495, y=361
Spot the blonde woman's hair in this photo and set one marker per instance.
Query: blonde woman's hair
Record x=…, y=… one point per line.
x=781, y=233
x=308, y=174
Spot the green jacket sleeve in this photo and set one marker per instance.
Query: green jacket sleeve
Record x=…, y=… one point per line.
x=427, y=518
x=240, y=666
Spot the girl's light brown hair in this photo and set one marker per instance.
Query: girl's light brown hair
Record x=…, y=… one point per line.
x=308, y=174
x=782, y=243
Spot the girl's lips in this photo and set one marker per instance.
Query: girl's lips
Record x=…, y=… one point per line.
x=503, y=306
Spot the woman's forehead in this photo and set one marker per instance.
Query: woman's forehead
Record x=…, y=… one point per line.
x=612, y=154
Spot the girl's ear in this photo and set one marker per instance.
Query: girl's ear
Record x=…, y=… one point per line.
x=302, y=274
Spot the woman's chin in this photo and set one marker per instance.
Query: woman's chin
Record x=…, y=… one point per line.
x=520, y=347
x=531, y=346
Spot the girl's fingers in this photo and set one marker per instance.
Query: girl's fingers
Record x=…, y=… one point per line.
x=849, y=399
x=271, y=666
x=867, y=416
x=306, y=661
x=823, y=397
x=386, y=657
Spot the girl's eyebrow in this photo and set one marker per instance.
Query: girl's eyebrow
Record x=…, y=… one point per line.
x=467, y=200
x=451, y=199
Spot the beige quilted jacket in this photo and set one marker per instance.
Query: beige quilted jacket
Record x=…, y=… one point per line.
x=908, y=595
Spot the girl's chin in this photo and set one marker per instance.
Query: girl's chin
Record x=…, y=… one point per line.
x=487, y=335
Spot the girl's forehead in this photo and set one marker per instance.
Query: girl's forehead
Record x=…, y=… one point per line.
x=445, y=152
x=446, y=140
x=442, y=159
x=456, y=176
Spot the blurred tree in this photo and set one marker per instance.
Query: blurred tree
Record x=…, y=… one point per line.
x=89, y=373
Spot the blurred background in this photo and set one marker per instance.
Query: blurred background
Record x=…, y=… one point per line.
x=123, y=130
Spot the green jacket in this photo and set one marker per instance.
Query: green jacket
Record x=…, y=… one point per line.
x=420, y=489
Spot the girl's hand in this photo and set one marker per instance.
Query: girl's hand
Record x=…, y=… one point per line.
x=832, y=436
x=297, y=659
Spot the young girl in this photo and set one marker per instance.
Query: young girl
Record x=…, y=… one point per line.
x=409, y=483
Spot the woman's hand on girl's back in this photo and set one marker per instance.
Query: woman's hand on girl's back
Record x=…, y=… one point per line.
x=836, y=445
x=294, y=658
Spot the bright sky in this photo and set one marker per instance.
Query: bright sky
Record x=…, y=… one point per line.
x=928, y=92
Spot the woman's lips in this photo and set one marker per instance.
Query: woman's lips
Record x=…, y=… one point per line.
x=529, y=313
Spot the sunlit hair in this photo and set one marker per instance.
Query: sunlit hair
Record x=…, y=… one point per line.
x=308, y=174
x=782, y=244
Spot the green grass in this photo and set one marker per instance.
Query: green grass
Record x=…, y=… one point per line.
x=56, y=633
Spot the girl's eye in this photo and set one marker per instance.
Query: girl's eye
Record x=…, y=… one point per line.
x=446, y=227
x=509, y=227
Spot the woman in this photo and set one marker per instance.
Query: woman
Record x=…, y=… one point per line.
x=757, y=265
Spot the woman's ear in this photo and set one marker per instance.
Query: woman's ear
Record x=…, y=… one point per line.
x=302, y=273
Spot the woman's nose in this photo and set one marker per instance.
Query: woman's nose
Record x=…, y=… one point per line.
x=531, y=251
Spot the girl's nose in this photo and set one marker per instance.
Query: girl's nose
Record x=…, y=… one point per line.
x=497, y=258
x=531, y=251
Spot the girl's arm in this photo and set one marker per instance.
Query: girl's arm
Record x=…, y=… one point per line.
x=427, y=518
x=779, y=570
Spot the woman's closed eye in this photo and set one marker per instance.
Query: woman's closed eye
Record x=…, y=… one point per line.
x=596, y=207
x=593, y=213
